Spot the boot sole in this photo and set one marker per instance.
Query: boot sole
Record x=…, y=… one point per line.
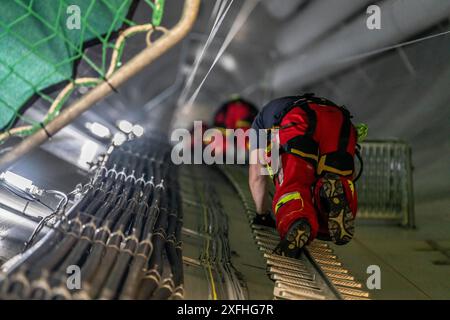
x=341, y=223
x=297, y=238
x=294, y=241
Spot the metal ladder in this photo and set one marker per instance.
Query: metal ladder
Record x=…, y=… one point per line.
x=317, y=275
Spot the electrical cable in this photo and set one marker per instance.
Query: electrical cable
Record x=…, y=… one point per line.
x=23, y=194
x=123, y=234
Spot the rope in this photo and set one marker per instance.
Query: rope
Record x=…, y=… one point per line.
x=241, y=18
x=396, y=46
x=221, y=14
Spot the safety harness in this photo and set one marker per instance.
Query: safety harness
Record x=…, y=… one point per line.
x=304, y=146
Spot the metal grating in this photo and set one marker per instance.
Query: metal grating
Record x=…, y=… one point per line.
x=385, y=190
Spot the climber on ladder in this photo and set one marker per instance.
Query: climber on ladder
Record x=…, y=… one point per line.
x=314, y=192
x=236, y=113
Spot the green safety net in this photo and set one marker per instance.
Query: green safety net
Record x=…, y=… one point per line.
x=41, y=42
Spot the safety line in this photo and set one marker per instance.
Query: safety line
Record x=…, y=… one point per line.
x=215, y=11
x=396, y=46
x=241, y=18
x=223, y=10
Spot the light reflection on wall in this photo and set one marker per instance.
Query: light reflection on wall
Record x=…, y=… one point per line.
x=88, y=153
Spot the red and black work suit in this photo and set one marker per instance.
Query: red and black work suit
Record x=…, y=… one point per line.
x=235, y=114
x=315, y=136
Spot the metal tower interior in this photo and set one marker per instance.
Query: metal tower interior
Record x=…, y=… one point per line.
x=111, y=201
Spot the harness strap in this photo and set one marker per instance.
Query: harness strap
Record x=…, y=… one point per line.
x=339, y=162
x=303, y=146
x=344, y=136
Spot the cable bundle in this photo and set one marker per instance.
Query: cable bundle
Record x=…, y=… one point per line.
x=123, y=235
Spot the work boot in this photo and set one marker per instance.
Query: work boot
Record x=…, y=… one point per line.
x=341, y=222
x=296, y=238
x=265, y=220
